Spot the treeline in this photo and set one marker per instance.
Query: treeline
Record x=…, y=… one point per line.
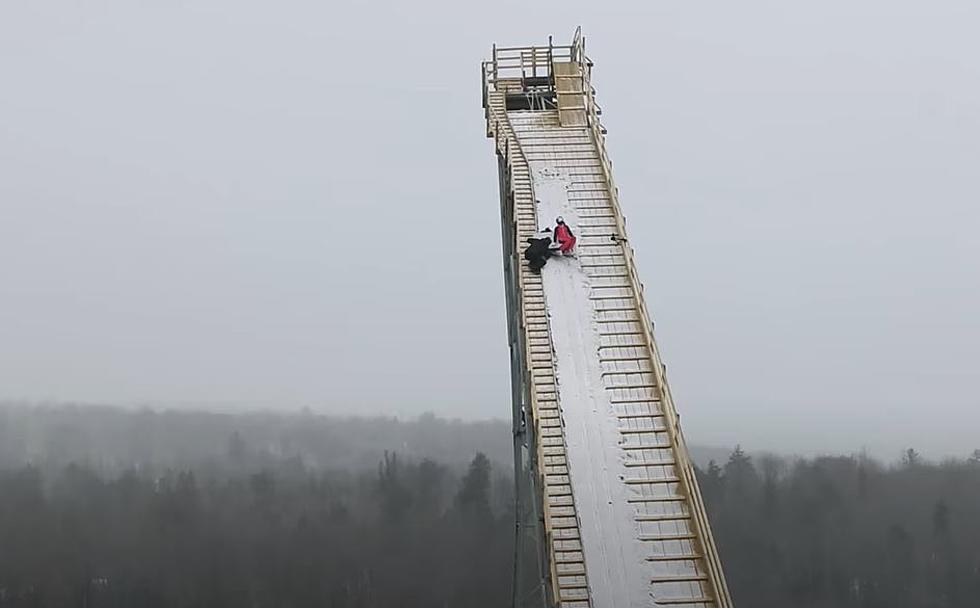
x=112, y=440
x=406, y=534
x=843, y=532
x=175, y=510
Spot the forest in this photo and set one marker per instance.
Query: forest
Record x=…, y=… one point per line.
x=200, y=510
x=847, y=531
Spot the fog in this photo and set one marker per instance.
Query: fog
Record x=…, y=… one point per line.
x=241, y=204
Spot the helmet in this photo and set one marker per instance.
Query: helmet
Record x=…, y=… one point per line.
x=560, y=220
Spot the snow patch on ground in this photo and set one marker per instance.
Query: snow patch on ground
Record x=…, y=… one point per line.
x=613, y=554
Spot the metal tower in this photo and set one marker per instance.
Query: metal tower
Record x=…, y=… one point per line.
x=609, y=510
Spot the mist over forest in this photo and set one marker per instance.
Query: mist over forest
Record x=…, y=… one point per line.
x=110, y=507
x=112, y=439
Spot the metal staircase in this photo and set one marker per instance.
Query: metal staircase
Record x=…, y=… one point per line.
x=612, y=519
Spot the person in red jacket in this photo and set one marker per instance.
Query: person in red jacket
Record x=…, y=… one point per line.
x=563, y=236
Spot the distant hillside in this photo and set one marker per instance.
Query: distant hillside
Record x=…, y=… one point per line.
x=111, y=438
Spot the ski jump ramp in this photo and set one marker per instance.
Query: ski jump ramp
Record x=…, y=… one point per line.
x=609, y=510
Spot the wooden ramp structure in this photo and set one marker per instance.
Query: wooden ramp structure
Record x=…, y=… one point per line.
x=609, y=510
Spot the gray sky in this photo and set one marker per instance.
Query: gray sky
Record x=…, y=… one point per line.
x=293, y=203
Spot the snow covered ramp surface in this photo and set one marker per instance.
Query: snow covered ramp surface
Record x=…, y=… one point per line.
x=639, y=543
x=591, y=434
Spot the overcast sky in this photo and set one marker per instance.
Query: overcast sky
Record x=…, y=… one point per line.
x=293, y=204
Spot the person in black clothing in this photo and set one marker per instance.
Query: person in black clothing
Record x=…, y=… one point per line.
x=538, y=250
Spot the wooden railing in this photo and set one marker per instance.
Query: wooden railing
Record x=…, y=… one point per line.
x=509, y=147
x=513, y=64
x=681, y=455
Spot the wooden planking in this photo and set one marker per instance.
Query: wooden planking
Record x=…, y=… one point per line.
x=568, y=575
x=656, y=453
x=654, y=487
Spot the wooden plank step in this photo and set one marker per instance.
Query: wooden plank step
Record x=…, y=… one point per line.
x=635, y=481
x=664, y=517
x=673, y=557
x=678, y=601
x=656, y=538
x=679, y=578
